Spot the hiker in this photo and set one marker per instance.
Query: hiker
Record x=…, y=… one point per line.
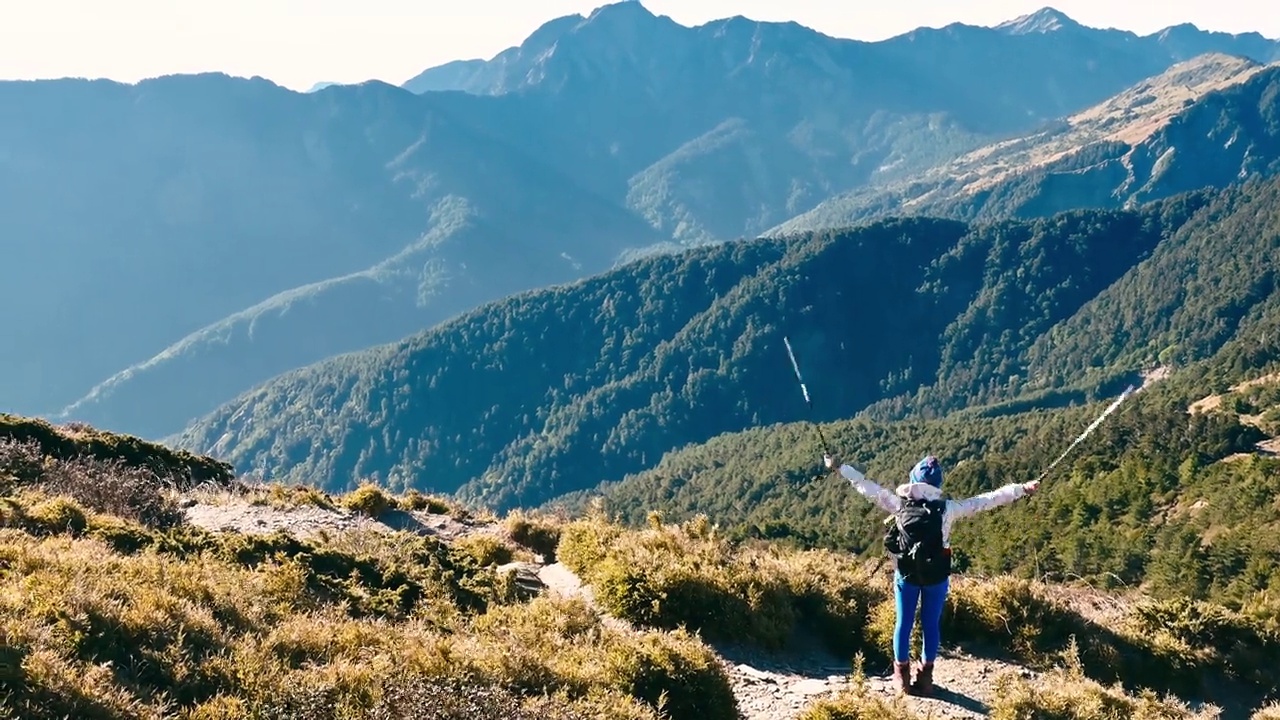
x=922, y=573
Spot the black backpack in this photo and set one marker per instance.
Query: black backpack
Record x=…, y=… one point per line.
x=914, y=539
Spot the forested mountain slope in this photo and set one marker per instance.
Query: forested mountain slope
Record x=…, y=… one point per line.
x=1170, y=493
x=554, y=390
x=1214, y=281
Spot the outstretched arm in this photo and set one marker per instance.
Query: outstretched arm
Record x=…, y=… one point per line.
x=988, y=500
x=877, y=494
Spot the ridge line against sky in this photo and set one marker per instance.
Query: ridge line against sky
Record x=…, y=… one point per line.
x=298, y=43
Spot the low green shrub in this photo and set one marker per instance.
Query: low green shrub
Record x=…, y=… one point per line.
x=369, y=500
x=537, y=534
x=485, y=549
x=689, y=576
x=1068, y=695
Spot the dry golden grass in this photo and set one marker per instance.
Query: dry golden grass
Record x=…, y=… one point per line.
x=104, y=618
x=368, y=498
x=415, y=500
x=538, y=533
x=285, y=497
x=1147, y=643
x=486, y=549
x=690, y=576
x=371, y=500
x=107, y=611
x=1062, y=694
x=1270, y=712
x=1069, y=695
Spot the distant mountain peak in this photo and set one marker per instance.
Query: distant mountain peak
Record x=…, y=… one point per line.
x=610, y=19
x=623, y=8
x=620, y=17
x=1044, y=20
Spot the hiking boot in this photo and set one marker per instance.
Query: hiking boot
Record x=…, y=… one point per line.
x=902, y=676
x=924, y=679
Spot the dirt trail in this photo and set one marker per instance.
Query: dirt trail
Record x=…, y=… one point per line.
x=780, y=689
x=772, y=687
x=239, y=515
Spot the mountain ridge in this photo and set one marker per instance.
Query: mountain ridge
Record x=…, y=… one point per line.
x=542, y=40
x=775, y=119
x=1134, y=142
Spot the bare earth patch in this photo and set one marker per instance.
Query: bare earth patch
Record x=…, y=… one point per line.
x=1213, y=402
x=1130, y=118
x=1205, y=404
x=1269, y=447
x=305, y=521
x=1155, y=375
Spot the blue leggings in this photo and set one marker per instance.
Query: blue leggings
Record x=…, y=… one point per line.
x=932, y=599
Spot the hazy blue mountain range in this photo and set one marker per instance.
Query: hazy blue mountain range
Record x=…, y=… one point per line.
x=1209, y=121
x=837, y=113
x=227, y=231
x=203, y=234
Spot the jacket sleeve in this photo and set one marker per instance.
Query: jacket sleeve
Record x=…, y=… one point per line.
x=986, y=501
x=877, y=494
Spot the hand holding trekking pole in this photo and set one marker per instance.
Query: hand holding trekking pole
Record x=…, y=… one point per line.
x=1030, y=488
x=833, y=463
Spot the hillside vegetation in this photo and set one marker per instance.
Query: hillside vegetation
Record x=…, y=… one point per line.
x=81, y=443
x=555, y=390
x=1156, y=497
x=111, y=614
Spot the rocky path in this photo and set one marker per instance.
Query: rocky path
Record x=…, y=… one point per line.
x=780, y=688
x=238, y=515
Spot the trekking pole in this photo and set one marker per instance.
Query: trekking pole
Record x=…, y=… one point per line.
x=1092, y=426
x=805, y=390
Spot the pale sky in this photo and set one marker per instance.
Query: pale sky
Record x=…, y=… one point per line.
x=297, y=43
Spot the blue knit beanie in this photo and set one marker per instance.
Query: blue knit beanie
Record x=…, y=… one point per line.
x=929, y=471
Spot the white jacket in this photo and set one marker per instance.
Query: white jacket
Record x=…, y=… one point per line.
x=890, y=501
